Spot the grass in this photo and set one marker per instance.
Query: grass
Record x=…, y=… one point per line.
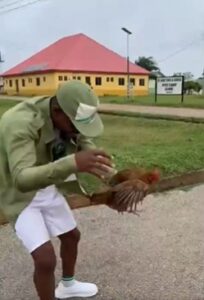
x=169, y=101
x=5, y=105
x=191, y=101
x=173, y=146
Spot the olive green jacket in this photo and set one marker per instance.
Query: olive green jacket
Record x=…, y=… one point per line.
x=26, y=160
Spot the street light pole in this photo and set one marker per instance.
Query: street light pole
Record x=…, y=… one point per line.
x=1, y=59
x=203, y=83
x=1, y=79
x=128, y=61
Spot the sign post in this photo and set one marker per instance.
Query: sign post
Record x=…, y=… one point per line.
x=182, y=95
x=156, y=90
x=169, y=86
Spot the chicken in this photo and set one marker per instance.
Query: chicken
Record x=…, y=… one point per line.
x=126, y=189
x=147, y=176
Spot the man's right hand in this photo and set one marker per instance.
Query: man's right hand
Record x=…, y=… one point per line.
x=95, y=162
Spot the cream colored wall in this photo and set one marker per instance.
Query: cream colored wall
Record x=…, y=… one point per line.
x=49, y=83
x=110, y=87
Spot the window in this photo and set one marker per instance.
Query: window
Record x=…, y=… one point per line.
x=107, y=79
x=44, y=78
x=38, y=81
x=132, y=81
x=121, y=81
x=65, y=78
x=74, y=77
x=142, y=82
x=30, y=80
x=60, y=78
x=112, y=79
x=98, y=80
x=23, y=82
x=88, y=80
x=10, y=83
x=79, y=78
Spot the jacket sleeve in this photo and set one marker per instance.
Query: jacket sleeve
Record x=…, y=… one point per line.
x=20, y=146
x=85, y=143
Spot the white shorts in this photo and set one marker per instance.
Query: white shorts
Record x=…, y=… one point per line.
x=48, y=215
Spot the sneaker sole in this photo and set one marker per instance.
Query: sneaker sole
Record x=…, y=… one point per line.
x=75, y=296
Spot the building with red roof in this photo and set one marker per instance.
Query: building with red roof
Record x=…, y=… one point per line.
x=75, y=57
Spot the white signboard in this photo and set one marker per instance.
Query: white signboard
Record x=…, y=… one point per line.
x=169, y=85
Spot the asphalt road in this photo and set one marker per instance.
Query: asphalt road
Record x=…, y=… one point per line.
x=159, y=255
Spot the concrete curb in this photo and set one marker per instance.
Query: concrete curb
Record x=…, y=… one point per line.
x=12, y=98
x=186, y=180
x=151, y=116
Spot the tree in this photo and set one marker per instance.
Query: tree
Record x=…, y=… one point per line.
x=147, y=63
x=188, y=76
x=190, y=86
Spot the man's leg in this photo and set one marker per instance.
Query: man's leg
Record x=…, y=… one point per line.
x=60, y=223
x=45, y=262
x=68, y=252
x=32, y=231
x=69, y=287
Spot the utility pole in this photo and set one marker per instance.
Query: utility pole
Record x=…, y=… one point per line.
x=1, y=80
x=203, y=83
x=1, y=59
x=128, y=32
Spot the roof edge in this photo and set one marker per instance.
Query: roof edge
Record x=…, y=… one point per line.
x=74, y=72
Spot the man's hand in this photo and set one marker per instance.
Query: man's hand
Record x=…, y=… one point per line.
x=95, y=162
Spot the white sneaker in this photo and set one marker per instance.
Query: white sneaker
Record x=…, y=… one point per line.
x=77, y=289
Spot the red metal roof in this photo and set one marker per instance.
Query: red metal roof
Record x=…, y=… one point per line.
x=76, y=53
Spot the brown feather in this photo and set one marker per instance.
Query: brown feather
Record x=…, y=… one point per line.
x=123, y=196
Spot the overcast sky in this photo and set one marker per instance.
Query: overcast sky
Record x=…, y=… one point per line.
x=161, y=28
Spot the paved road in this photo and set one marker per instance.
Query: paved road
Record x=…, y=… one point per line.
x=14, y=98
x=169, y=111
x=157, y=256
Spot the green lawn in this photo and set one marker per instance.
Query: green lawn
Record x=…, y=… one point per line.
x=173, y=146
x=171, y=101
x=6, y=104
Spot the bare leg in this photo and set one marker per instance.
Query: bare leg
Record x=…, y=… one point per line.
x=68, y=251
x=45, y=263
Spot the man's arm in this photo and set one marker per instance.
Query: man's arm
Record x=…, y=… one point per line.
x=19, y=143
x=85, y=143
